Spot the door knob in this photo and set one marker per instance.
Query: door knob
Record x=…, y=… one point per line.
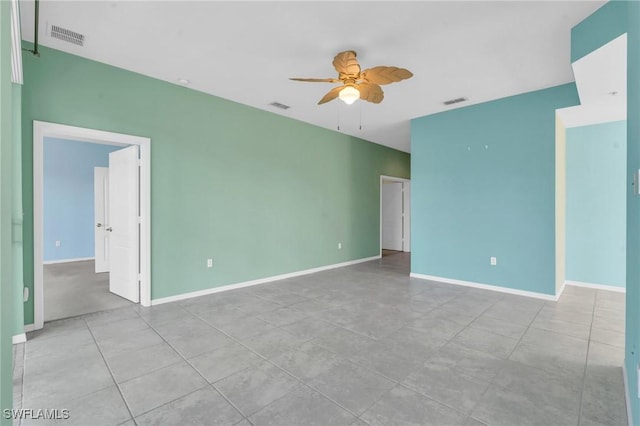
x=110, y=229
x=98, y=225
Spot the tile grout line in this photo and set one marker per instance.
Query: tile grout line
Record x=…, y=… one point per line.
x=190, y=365
x=266, y=359
x=208, y=385
x=399, y=383
x=447, y=341
x=529, y=327
x=299, y=380
x=258, y=354
x=467, y=416
x=586, y=361
x=493, y=379
x=275, y=365
x=126, y=404
x=396, y=383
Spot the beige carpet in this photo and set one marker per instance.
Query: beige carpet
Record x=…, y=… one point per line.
x=73, y=288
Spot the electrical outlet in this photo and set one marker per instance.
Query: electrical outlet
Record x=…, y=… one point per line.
x=25, y=294
x=57, y=243
x=494, y=261
x=339, y=246
x=209, y=263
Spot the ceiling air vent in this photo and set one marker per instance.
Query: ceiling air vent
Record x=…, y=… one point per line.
x=67, y=35
x=454, y=101
x=279, y=105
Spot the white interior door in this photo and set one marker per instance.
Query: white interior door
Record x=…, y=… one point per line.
x=100, y=205
x=123, y=223
x=392, y=215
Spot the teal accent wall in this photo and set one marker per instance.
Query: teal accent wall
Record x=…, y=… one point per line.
x=483, y=184
x=68, y=196
x=632, y=323
x=6, y=260
x=602, y=26
x=259, y=193
x=596, y=204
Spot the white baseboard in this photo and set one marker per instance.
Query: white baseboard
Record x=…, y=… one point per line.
x=19, y=338
x=487, y=287
x=626, y=394
x=559, y=293
x=29, y=327
x=184, y=296
x=597, y=286
x=79, y=259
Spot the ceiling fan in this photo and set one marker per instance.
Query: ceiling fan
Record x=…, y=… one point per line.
x=358, y=84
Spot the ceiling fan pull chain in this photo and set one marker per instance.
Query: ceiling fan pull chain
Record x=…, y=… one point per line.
x=338, y=117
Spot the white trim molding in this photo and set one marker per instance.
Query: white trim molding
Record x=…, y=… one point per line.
x=199, y=293
x=16, y=44
x=394, y=179
x=43, y=129
x=19, y=338
x=627, y=392
x=78, y=259
x=559, y=294
x=29, y=328
x=488, y=287
x=596, y=286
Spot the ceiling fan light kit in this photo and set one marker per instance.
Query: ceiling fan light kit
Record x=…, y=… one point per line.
x=349, y=95
x=357, y=84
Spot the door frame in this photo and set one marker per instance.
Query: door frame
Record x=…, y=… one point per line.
x=43, y=129
x=405, y=214
x=105, y=195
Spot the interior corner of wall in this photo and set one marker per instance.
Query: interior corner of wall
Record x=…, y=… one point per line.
x=561, y=203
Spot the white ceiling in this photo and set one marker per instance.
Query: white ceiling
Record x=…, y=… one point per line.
x=245, y=51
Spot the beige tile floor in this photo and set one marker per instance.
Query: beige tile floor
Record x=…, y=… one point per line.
x=357, y=345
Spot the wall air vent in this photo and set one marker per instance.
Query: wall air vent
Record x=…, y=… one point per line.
x=279, y=105
x=454, y=101
x=67, y=35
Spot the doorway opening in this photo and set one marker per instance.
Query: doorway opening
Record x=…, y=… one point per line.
x=395, y=219
x=115, y=200
x=75, y=242
x=590, y=174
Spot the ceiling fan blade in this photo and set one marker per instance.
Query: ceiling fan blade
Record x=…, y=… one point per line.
x=370, y=92
x=385, y=75
x=346, y=63
x=317, y=80
x=331, y=95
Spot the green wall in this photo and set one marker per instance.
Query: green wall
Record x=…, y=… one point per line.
x=483, y=185
x=602, y=26
x=259, y=193
x=596, y=203
x=632, y=322
x=16, y=218
x=6, y=282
